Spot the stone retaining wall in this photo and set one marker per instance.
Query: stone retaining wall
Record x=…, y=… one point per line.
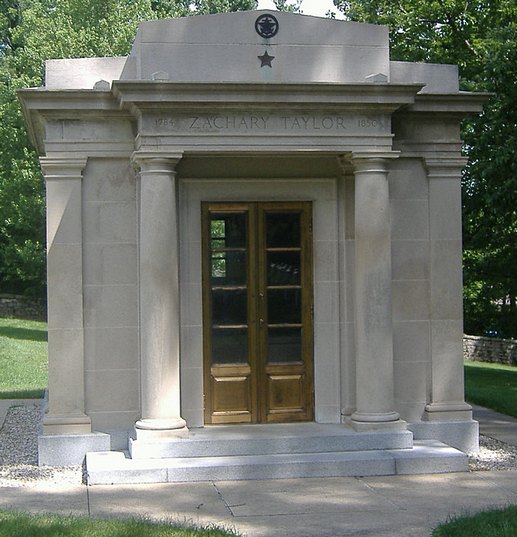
x=22, y=307
x=489, y=349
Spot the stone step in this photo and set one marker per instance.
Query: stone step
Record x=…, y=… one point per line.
x=220, y=440
x=425, y=457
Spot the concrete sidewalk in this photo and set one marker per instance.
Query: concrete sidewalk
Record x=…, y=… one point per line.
x=324, y=507
x=495, y=425
x=315, y=507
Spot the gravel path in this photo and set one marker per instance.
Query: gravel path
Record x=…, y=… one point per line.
x=19, y=454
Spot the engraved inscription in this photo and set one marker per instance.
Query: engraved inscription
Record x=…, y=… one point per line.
x=260, y=122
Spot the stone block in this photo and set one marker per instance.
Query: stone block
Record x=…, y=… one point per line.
x=430, y=458
x=112, y=390
x=410, y=300
x=111, y=348
x=111, y=179
x=411, y=341
x=409, y=219
x=106, y=221
x=113, y=263
x=110, y=306
x=325, y=261
x=410, y=259
x=82, y=73
x=69, y=449
x=462, y=435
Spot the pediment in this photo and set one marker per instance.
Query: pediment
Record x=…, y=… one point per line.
x=229, y=48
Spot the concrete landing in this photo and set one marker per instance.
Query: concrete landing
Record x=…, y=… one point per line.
x=273, y=452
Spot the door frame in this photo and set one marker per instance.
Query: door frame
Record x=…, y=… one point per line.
x=333, y=335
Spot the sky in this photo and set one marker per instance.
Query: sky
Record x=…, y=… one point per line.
x=309, y=7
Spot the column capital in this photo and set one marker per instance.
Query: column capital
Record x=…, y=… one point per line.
x=63, y=168
x=372, y=161
x=154, y=162
x=445, y=168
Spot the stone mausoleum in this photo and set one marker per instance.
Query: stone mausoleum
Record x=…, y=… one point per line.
x=254, y=254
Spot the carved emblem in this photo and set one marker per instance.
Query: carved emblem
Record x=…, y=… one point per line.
x=266, y=26
x=265, y=59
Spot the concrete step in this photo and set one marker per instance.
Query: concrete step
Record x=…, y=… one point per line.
x=220, y=440
x=425, y=457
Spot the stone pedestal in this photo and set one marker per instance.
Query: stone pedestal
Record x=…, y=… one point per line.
x=159, y=299
x=373, y=310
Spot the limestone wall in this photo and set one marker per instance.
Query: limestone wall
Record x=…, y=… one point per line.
x=489, y=349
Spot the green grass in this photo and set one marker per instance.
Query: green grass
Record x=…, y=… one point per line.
x=492, y=385
x=497, y=523
x=23, y=359
x=14, y=524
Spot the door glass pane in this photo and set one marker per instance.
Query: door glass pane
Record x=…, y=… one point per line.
x=228, y=268
x=284, y=306
x=284, y=345
x=229, y=307
x=283, y=268
x=228, y=230
x=282, y=230
x=230, y=346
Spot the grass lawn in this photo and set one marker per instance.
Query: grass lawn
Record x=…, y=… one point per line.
x=493, y=386
x=13, y=524
x=23, y=359
x=497, y=523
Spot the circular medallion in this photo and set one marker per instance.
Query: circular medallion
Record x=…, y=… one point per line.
x=266, y=26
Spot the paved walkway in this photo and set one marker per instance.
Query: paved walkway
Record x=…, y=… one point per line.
x=391, y=506
x=496, y=425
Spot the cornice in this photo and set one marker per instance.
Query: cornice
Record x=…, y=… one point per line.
x=154, y=94
x=459, y=104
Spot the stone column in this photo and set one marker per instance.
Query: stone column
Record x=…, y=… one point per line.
x=447, y=389
x=373, y=310
x=159, y=298
x=66, y=408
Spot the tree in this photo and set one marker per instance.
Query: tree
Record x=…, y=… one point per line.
x=479, y=36
x=293, y=6
x=32, y=31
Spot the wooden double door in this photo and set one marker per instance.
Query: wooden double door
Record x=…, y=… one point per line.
x=257, y=312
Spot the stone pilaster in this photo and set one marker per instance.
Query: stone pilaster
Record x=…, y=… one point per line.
x=373, y=308
x=66, y=408
x=158, y=263
x=447, y=389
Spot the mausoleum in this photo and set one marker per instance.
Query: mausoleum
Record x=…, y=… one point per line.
x=254, y=254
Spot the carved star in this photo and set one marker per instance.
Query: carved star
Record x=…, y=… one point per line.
x=265, y=59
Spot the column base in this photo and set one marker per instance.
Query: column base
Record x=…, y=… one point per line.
x=450, y=411
x=161, y=429
x=66, y=424
x=364, y=421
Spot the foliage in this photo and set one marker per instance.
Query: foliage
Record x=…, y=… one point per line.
x=495, y=523
x=292, y=6
x=492, y=385
x=490, y=198
x=32, y=31
x=23, y=359
x=480, y=36
x=14, y=524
